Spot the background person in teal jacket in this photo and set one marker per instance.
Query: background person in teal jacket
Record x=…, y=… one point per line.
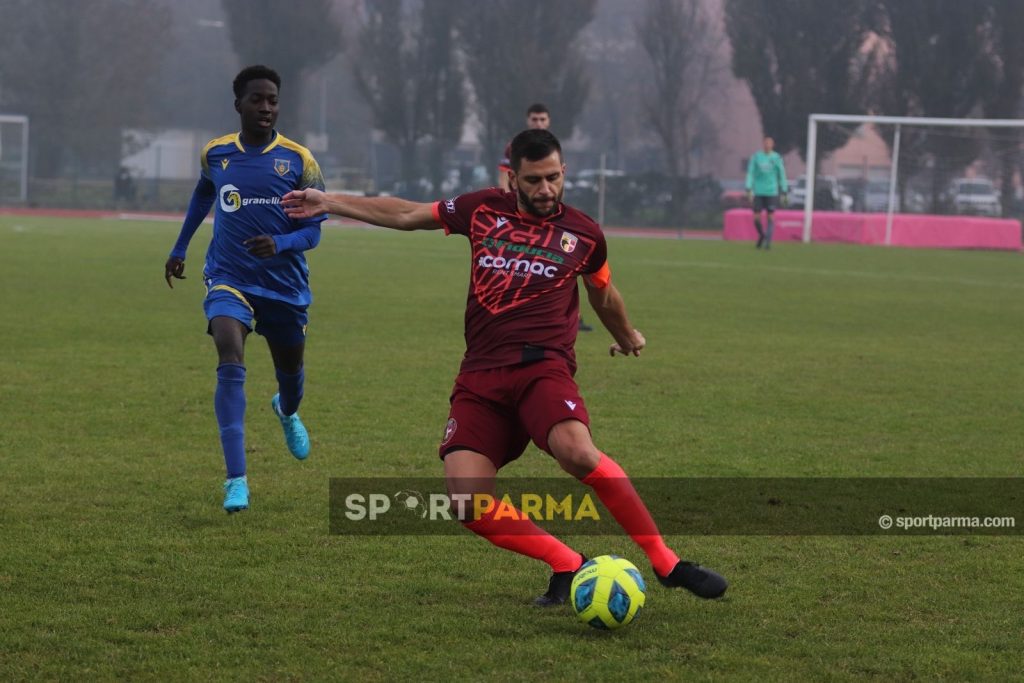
x=766, y=181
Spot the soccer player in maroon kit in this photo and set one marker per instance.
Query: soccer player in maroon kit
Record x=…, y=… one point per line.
x=516, y=380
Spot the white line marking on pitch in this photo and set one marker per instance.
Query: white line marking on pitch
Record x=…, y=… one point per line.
x=839, y=273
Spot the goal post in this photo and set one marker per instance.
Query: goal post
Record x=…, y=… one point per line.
x=13, y=158
x=898, y=124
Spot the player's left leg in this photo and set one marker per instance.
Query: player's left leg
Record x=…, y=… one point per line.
x=570, y=443
x=553, y=412
x=770, y=224
x=290, y=373
x=284, y=327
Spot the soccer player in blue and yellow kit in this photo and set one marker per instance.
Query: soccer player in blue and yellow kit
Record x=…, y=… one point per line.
x=256, y=275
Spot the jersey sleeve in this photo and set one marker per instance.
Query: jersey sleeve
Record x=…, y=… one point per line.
x=455, y=214
x=598, y=259
x=783, y=183
x=312, y=176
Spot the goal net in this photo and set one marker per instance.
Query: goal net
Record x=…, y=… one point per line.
x=13, y=159
x=911, y=165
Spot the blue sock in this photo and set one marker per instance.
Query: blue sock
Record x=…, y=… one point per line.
x=229, y=404
x=290, y=388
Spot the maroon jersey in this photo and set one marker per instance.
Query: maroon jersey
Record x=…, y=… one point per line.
x=523, y=303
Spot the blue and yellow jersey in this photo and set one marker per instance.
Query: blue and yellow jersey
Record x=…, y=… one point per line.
x=246, y=185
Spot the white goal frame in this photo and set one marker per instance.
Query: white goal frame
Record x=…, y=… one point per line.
x=23, y=120
x=898, y=121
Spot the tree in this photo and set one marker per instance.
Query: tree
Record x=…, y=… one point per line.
x=938, y=62
x=1006, y=29
x=406, y=70
x=801, y=57
x=82, y=72
x=523, y=51
x=290, y=38
x=680, y=41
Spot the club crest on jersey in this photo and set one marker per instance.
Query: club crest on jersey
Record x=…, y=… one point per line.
x=449, y=430
x=568, y=242
x=282, y=166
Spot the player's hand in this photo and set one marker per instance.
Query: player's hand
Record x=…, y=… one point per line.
x=304, y=203
x=632, y=347
x=175, y=267
x=261, y=246
x=785, y=199
x=750, y=195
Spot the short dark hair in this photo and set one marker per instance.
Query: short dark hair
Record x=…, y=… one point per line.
x=537, y=108
x=254, y=73
x=532, y=144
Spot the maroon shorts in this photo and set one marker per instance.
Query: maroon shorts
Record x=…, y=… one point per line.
x=497, y=412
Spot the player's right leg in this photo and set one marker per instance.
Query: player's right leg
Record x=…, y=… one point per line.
x=480, y=437
x=226, y=311
x=470, y=477
x=757, y=221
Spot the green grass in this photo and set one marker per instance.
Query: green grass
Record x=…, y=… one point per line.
x=117, y=562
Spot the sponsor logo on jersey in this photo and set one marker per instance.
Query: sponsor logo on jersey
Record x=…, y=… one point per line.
x=519, y=248
x=568, y=242
x=518, y=267
x=282, y=166
x=449, y=205
x=231, y=199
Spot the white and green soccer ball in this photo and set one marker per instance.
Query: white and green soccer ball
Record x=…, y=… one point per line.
x=607, y=592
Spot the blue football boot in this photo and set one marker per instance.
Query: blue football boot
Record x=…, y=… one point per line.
x=236, y=494
x=295, y=434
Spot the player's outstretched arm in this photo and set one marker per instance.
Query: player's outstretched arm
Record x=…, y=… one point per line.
x=387, y=212
x=202, y=200
x=611, y=310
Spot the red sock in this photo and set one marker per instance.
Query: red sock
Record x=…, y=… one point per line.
x=507, y=527
x=613, y=487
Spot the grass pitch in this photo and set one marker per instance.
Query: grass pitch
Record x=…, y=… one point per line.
x=820, y=360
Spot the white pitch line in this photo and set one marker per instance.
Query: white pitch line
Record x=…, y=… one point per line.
x=930, y=279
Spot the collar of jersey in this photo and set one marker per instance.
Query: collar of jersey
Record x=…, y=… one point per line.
x=272, y=145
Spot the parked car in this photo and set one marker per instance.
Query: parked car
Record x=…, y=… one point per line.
x=876, y=197
x=827, y=195
x=977, y=196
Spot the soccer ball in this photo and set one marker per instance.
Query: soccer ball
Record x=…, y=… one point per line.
x=607, y=592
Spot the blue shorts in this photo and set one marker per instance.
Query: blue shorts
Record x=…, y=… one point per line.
x=280, y=322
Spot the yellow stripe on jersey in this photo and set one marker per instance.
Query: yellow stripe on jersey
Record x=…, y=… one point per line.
x=228, y=288
x=216, y=142
x=311, y=174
